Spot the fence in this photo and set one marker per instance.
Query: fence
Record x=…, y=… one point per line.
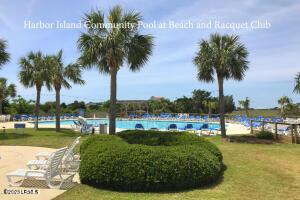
x=293, y=127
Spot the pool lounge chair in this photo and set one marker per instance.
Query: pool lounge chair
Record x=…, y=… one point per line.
x=51, y=173
x=205, y=118
x=70, y=162
x=46, y=155
x=205, y=128
x=215, y=130
x=85, y=127
x=139, y=127
x=285, y=130
x=76, y=126
x=189, y=127
x=192, y=117
x=183, y=117
x=172, y=127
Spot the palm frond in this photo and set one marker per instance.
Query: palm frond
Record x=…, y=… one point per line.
x=95, y=22
x=33, y=70
x=204, y=62
x=4, y=55
x=223, y=55
x=139, y=50
x=61, y=75
x=115, y=15
x=297, y=83
x=110, y=49
x=6, y=90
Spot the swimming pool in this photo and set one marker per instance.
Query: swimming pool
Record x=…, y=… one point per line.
x=130, y=124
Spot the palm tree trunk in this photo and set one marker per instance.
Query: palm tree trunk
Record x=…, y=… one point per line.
x=113, y=100
x=57, y=110
x=1, y=103
x=37, y=106
x=222, y=106
x=209, y=111
x=282, y=110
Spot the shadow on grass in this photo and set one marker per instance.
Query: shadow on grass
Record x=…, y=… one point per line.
x=249, y=139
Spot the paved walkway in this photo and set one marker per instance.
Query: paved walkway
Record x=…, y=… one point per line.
x=16, y=157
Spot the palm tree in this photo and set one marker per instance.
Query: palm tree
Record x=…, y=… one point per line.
x=284, y=101
x=246, y=105
x=108, y=48
x=34, y=73
x=6, y=91
x=210, y=105
x=60, y=77
x=297, y=83
x=4, y=56
x=224, y=56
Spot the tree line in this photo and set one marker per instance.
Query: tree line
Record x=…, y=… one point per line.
x=201, y=102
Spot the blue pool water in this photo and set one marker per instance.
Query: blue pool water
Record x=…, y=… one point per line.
x=130, y=124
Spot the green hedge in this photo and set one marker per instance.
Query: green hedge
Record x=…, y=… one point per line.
x=149, y=161
x=265, y=135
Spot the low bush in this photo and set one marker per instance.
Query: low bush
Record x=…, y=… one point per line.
x=149, y=161
x=265, y=135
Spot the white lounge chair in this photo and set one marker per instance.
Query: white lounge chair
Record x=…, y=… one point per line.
x=49, y=174
x=46, y=155
x=70, y=161
x=76, y=126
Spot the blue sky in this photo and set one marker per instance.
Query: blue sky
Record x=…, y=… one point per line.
x=274, y=52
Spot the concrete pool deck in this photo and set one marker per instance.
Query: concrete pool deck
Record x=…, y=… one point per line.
x=16, y=157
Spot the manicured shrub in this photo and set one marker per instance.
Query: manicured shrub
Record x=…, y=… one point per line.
x=265, y=135
x=149, y=161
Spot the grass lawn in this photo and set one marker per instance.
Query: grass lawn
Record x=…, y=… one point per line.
x=42, y=138
x=254, y=171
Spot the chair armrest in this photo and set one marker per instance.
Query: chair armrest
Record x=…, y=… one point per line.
x=27, y=173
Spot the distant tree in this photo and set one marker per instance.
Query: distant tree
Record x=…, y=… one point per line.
x=297, y=83
x=292, y=109
x=6, y=91
x=94, y=107
x=284, y=101
x=245, y=104
x=229, y=103
x=4, y=56
x=108, y=49
x=20, y=105
x=48, y=107
x=77, y=105
x=226, y=57
x=63, y=105
x=160, y=106
x=184, y=105
x=199, y=97
x=34, y=72
x=211, y=105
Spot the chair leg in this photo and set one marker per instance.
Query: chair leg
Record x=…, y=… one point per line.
x=14, y=183
x=51, y=186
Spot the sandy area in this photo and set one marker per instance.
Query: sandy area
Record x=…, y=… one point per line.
x=16, y=157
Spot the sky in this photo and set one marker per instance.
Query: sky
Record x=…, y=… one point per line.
x=274, y=49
